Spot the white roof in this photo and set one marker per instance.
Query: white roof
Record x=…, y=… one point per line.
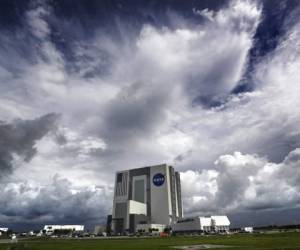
x=205, y=221
x=220, y=220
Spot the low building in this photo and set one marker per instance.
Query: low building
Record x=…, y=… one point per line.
x=53, y=229
x=154, y=229
x=3, y=230
x=99, y=230
x=31, y=233
x=247, y=229
x=220, y=223
x=202, y=225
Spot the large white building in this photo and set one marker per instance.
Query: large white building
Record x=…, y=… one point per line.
x=214, y=223
x=148, y=195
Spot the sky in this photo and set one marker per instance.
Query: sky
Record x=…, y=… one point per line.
x=88, y=88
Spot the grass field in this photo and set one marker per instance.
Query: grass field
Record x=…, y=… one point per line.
x=254, y=241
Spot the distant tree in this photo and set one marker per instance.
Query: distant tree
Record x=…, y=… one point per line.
x=167, y=230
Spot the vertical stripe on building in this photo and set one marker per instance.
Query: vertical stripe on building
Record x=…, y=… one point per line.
x=121, y=188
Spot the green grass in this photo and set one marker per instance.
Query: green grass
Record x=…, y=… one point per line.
x=278, y=241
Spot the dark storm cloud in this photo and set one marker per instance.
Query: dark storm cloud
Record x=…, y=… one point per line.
x=110, y=14
x=57, y=202
x=135, y=112
x=265, y=217
x=20, y=138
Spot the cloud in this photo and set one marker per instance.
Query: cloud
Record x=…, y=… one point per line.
x=233, y=180
x=155, y=93
x=36, y=21
x=260, y=122
x=263, y=124
x=19, y=138
x=242, y=183
x=58, y=201
x=146, y=96
x=198, y=191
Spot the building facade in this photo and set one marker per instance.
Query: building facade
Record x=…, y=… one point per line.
x=150, y=229
x=216, y=223
x=148, y=195
x=50, y=229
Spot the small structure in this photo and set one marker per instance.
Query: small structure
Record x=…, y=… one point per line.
x=3, y=230
x=14, y=238
x=62, y=229
x=150, y=229
x=31, y=233
x=247, y=229
x=218, y=224
x=99, y=230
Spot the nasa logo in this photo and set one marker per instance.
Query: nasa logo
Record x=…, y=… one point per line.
x=158, y=179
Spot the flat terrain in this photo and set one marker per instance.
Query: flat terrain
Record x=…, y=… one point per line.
x=255, y=241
